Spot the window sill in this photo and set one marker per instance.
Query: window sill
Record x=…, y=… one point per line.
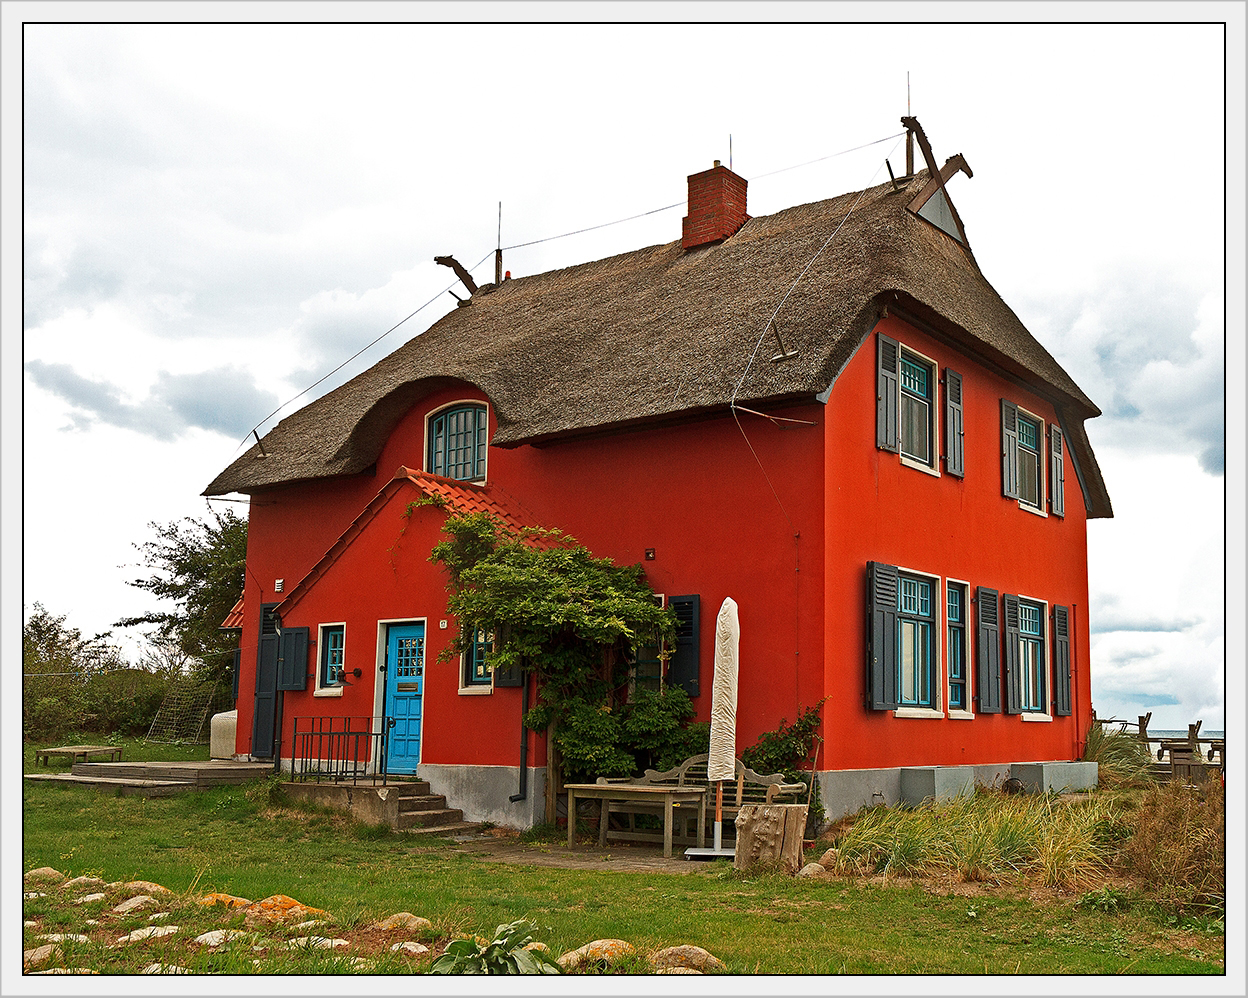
x=1033, y=716
x=910, y=462
x=475, y=691
x=918, y=712
x=1028, y=508
x=961, y=715
x=329, y=691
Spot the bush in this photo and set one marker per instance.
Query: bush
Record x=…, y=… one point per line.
x=1179, y=846
x=123, y=701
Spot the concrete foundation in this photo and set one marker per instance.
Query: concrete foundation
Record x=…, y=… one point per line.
x=375, y=805
x=1055, y=777
x=938, y=783
x=483, y=792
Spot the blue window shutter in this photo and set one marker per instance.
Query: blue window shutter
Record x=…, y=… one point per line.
x=954, y=444
x=1057, y=472
x=682, y=667
x=292, y=659
x=887, y=400
x=988, y=651
x=882, y=585
x=1061, y=661
x=1013, y=694
x=1009, y=449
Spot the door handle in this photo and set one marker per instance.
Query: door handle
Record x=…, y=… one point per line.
x=392, y=722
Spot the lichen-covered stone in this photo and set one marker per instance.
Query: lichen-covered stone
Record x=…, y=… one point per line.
x=40, y=955
x=404, y=920
x=219, y=936
x=317, y=942
x=678, y=970
x=411, y=948
x=43, y=875
x=810, y=869
x=146, y=886
x=691, y=957
x=63, y=937
x=599, y=951
x=88, y=899
x=163, y=968
x=78, y=882
x=279, y=908
x=828, y=859
x=156, y=917
x=151, y=932
x=134, y=903
x=229, y=900
x=66, y=970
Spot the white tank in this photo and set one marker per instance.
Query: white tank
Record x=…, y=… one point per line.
x=223, y=729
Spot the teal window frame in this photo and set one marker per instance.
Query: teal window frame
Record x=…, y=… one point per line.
x=332, y=656
x=457, y=442
x=917, y=380
x=1030, y=461
x=916, y=660
x=955, y=646
x=477, y=671
x=1033, y=692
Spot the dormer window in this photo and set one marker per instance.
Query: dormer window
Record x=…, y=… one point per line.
x=457, y=442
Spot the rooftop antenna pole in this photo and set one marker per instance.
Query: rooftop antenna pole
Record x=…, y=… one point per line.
x=498, y=248
x=909, y=133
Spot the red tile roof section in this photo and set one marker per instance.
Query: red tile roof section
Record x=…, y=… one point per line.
x=459, y=497
x=234, y=619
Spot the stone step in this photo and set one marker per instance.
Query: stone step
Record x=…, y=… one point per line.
x=432, y=818
x=422, y=802
x=128, y=787
x=451, y=828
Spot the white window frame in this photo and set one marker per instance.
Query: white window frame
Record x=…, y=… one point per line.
x=457, y=404
x=467, y=689
x=933, y=422
x=968, y=642
x=336, y=689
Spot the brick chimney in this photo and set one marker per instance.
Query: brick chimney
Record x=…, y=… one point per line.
x=716, y=207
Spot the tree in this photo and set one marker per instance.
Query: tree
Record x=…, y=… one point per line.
x=51, y=648
x=575, y=621
x=198, y=565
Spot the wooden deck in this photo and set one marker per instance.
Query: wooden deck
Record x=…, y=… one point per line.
x=157, y=779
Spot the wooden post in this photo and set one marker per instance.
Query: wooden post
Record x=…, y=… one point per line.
x=552, y=776
x=770, y=833
x=1144, y=719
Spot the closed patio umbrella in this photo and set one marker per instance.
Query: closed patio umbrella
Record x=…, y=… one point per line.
x=721, y=763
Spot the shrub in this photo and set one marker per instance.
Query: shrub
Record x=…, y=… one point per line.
x=1179, y=845
x=1122, y=759
x=507, y=953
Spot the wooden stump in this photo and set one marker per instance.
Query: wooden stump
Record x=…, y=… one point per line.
x=770, y=834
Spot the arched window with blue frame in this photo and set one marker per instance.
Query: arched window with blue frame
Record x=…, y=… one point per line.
x=457, y=442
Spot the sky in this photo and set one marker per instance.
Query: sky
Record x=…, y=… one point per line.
x=215, y=216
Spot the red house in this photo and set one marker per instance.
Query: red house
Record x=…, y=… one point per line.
x=827, y=414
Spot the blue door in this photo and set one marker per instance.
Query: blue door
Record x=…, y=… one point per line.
x=405, y=680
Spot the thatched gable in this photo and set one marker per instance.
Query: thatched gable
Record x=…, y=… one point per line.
x=660, y=333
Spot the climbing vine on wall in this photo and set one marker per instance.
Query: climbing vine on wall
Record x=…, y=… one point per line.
x=573, y=620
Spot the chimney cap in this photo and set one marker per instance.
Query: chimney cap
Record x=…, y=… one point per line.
x=716, y=162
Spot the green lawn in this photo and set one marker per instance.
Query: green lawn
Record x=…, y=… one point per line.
x=238, y=841
x=132, y=750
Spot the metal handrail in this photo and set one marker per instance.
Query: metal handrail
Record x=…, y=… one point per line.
x=339, y=749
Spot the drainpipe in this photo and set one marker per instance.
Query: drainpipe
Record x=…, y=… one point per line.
x=524, y=747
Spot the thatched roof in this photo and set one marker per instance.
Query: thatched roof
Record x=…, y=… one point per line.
x=660, y=333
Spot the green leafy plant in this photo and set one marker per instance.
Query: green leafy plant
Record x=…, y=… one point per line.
x=511, y=951
x=1107, y=899
x=790, y=749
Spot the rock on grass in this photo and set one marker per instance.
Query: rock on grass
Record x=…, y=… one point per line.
x=599, y=951
x=676, y=958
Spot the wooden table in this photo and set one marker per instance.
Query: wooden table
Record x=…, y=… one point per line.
x=607, y=792
x=76, y=752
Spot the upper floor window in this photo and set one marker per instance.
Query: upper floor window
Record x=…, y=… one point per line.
x=457, y=443
x=916, y=409
x=906, y=408
x=1022, y=456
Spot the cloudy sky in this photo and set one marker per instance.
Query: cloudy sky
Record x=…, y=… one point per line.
x=215, y=216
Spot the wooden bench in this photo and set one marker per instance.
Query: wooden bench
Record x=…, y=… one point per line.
x=748, y=787
x=79, y=752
